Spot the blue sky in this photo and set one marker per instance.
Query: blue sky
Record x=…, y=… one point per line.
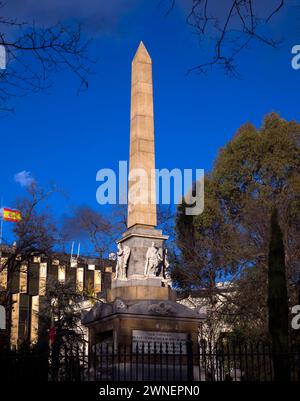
x=65, y=139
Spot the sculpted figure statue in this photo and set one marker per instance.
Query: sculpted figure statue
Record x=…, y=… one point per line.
x=166, y=265
x=122, y=261
x=153, y=260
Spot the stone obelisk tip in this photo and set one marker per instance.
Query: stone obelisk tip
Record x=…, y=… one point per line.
x=142, y=54
x=141, y=199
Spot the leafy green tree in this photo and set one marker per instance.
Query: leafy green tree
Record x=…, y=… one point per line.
x=257, y=171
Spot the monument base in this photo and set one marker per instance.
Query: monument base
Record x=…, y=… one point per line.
x=117, y=322
x=141, y=301
x=143, y=340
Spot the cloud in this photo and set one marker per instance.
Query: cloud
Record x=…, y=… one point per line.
x=96, y=15
x=24, y=178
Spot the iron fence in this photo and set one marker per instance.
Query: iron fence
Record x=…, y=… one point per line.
x=189, y=362
x=152, y=362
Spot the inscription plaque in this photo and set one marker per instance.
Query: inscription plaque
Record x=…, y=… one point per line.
x=159, y=341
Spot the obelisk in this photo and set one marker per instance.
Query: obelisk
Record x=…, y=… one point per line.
x=140, y=302
x=141, y=237
x=141, y=190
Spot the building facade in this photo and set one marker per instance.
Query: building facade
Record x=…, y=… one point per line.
x=28, y=284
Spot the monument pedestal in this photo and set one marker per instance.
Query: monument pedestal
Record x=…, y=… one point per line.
x=141, y=303
x=143, y=340
x=116, y=322
x=138, y=301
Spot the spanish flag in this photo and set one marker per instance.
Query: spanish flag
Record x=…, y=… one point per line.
x=11, y=215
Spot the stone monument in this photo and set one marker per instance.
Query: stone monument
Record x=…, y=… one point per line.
x=141, y=303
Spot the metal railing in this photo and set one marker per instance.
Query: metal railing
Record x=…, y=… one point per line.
x=152, y=362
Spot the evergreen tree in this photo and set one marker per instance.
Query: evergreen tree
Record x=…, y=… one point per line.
x=278, y=309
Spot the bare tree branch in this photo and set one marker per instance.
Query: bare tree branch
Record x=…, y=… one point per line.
x=229, y=28
x=34, y=54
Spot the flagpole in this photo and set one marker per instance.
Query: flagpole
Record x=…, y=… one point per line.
x=1, y=230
